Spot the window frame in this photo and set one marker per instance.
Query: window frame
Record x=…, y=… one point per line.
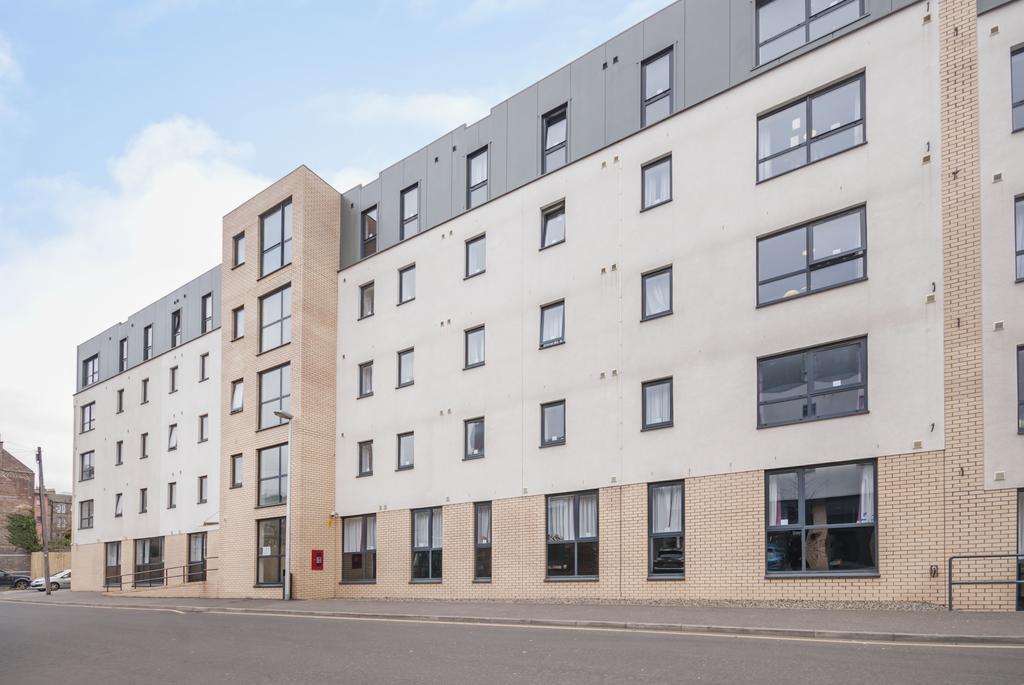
x=414, y=220
x=644, y=316
x=363, y=289
x=172, y=437
x=204, y=373
x=862, y=340
x=172, y=380
x=363, y=391
x=238, y=323
x=90, y=370
x=144, y=445
x=238, y=249
x=196, y=567
x=398, y=451
x=644, y=426
x=87, y=415
x=206, y=313
x=368, y=557
x=119, y=453
x=466, y=455
x=1018, y=216
x=399, y=356
x=470, y=187
x=118, y=505
x=576, y=536
x=431, y=549
x=119, y=401
x=811, y=263
x=652, y=536
x=86, y=471
x=144, y=391
x=176, y=328
x=83, y=520
x=282, y=532
x=147, y=342
x=544, y=442
x=402, y=299
x=204, y=428
x=279, y=323
x=368, y=243
x=237, y=387
x=280, y=400
x=647, y=102
x=202, y=490
x=172, y=495
x=560, y=113
x=554, y=342
x=112, y=579
x=281, y=206
x=122, y=355
x=1019, y=104
x=283, y=467
x=666, y=158
x=469, y=244
x=1020, y=390
x=482, y=328
x=143, y=500
x=483, y=547
x=805, y=25
x=360, y=471
x=545, y=214
x=237, y=471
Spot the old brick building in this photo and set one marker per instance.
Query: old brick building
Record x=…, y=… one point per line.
x=16, y=485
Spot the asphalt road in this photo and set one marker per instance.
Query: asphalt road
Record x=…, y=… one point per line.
x=68, y=645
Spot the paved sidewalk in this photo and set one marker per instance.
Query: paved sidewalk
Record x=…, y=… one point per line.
x=851, y=624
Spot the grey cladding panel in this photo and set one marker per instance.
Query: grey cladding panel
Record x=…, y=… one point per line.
x=586, y=108
x=553, y=91
x=439, y=181
x=524, y=145
x=622, y=84
x=496, y=134
x=983, y=5
x=744, y=47
x=350, y=205
x=706, y=49
x=465, y=140
x=391, y=184
x=663, y=30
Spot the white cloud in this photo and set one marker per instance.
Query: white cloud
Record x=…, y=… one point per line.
x=115, y=251
x=9, y=68
x=435, y=112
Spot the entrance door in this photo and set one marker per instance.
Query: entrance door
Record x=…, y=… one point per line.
x=149, y=562
x=196, y=557
x=112, y=569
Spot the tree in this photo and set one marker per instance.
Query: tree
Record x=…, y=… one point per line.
x=21, y=532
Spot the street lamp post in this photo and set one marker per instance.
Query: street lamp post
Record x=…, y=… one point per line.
x=287, y=589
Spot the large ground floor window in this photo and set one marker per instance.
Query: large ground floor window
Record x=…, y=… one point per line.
x=821, y=519
x=270, y=535
x=359, y=549
x=572, y=535
x=149, y=562
x=196, y=557
x=112, y=564
x=665, y=515
x=427, y=539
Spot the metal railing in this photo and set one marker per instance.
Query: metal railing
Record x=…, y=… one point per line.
x=192, y=572
x=949, y=574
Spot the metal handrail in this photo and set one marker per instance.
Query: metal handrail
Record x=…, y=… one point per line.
x=949, y=574
x=163, y=574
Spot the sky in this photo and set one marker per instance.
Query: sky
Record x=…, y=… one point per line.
x=127, y=130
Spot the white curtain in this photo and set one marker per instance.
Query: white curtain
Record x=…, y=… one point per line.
x=408, y=370
x=667, y=509
x=867, y=493
x=371, y=533
x=438, y=536
x=475, y=344
x=588, y=516
x=421, y=529
x=353, y=535
x=483, y=525
x=406, y=450
x=657, y=184
x=554, y=323
x=658, y=293
x=560, y=519
x=659, y=403
x=774, y=506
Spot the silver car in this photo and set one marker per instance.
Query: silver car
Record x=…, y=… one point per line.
x=57, y=581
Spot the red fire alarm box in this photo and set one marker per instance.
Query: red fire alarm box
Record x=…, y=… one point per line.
x=318, y=560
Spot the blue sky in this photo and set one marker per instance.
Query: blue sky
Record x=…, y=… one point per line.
x=127, y=130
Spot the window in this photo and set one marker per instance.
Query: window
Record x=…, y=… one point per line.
x=204, y=427
x=366, y=300
x=85, y=514
x=206, y=324
x=112, y=565
x=122, y=354
x=237, y=395
x=173, y=380
x=273, y=475
x=369, y=228
x=1018, y=210
x=147, y=342
x=665, y=507
x=476, y=178
x=275, y=394
x=276, y=230
x=552, y=423
x=119, y=453
x=270, y=552
x=474, y=347
x=204, y=372
x=427, y=536
x=366, y=458
x=785, y=25
x=91, y=370
x=366, y=379
x=172, y=495
x=406, y=370
x=238, y=250
x=818, y=126
x=1017, y=88
x=202, y=490
x=175, y=328
x=821, y=519
x=172, y=437
x=657, y=293
x=552, y=324
x=237, y=323
x=482, y=541
x=406, y=450
x=359, y=549
x=823, y=254
x=120, y=400
x=276, y=319
x=144, y=446
x=1020, y=390
x=410, y=205
x=143, y=500
x=149, y=562
x=407, y=284
x=552, y=231
x=145, y=391
x=556, y=140
x=87, y=469
x=118, y=505
x=656, y=77
x=656, y=178
x=236, y=470
x=657, y=401
x=196, y=558
x=88, y=417
x=572, y=535
x=816, y=383
x=473, y=442
x=476, y=256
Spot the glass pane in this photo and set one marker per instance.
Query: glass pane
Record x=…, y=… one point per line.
x=406, y=368
x=478, y=196
x=367, y=300
x=782, y=130
x=366, y=379
x=288, y=222
x=783, y=412
x=657, y=404
x=272, y=229
x=561, y=518
x=421, y=564
x=836, y=108
x=837, y=403
x=478, y=168
x=783, y=552
x=270, y=463
x=555, y=159
x=268, y=570
x=587, y=522
x=555, y=132
x=482, y=563
x=554, y=228
x=657, y=76
x=833, y=20
x=667, y=555
x=561, y=559
x=552, y=324
x=410, y=203
x=483, y=524
x=476, y=252
x=841, y=549
x=475, y=347
x=1018, y=209
x=782, y=288
x=1018, y=117
x=818, y=6
x=408, y=284
x=657, y=293
x=837, y=273
x=406, y=450
x=667, y=509
x=435, y=563
x=1017, y=76
x=783, y=499
x=837, y=367
x=782, y=377
x=657, y=110
x=836, y=236
x=586, y=558
x=554, y=423
x=781, y=164
x=474, y=438
x=839, y=494
x=270, y=492
x=782, y=254
x=777, y=47
x=835, y=144
x=775, y=17
x=657, y=180
x=1020, y=266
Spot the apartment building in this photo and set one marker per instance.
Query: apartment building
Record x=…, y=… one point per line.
x=727, y=308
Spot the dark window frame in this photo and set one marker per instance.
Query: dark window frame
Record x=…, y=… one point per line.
x=544, y=442
x=144, y=392
x=279, y=400
x=172, y=495
x=147, y=342
x=86, y=522
x=88, y=417
x=554, y=342
x=398, y=451
x=237, y=471
x=368, y=242
x=281, y=477
x=176, y=331
x=576, y=536
x=644, y=426
x=1018, y=216
x=466, y=455
x=483, y=550
x=363, y=391
x=1020, y=389
x=204, y=428
x=264, y=325
x=118, y=505
x=90, y=370
x=809, y=18
x=469, y=243
x=202, y=490
x=172, y=380
x=360, y=471
x=560, y=113
x=264, y=250
x=237, y=384
x=402, y=299
x=238, y=255
x=238, y=323
x=144, y=446
x=118, y=452
x=547, y=213
x=365, y=558
x=172, y=437
x=282, y=532
x=111, y=574
x=652, y=574
x=362, y=300
x=119, y=401
x=644, y=316
x=431, y=549
x=398, y=356
x=647, y=102
x=86, y=471
x=143, y=500
x=196, y=567
x=414, y=220
x=122, y=355
x=470, y=187
x=482, y=328
x=1018, y=104
x=204, y=373
x=206, y=313
x=666, y=158
x=149, y=574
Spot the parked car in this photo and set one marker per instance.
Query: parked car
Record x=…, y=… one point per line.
x=18, y=581
x=57, y=581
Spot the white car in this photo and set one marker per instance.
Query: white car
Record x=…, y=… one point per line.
x=57, y=581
